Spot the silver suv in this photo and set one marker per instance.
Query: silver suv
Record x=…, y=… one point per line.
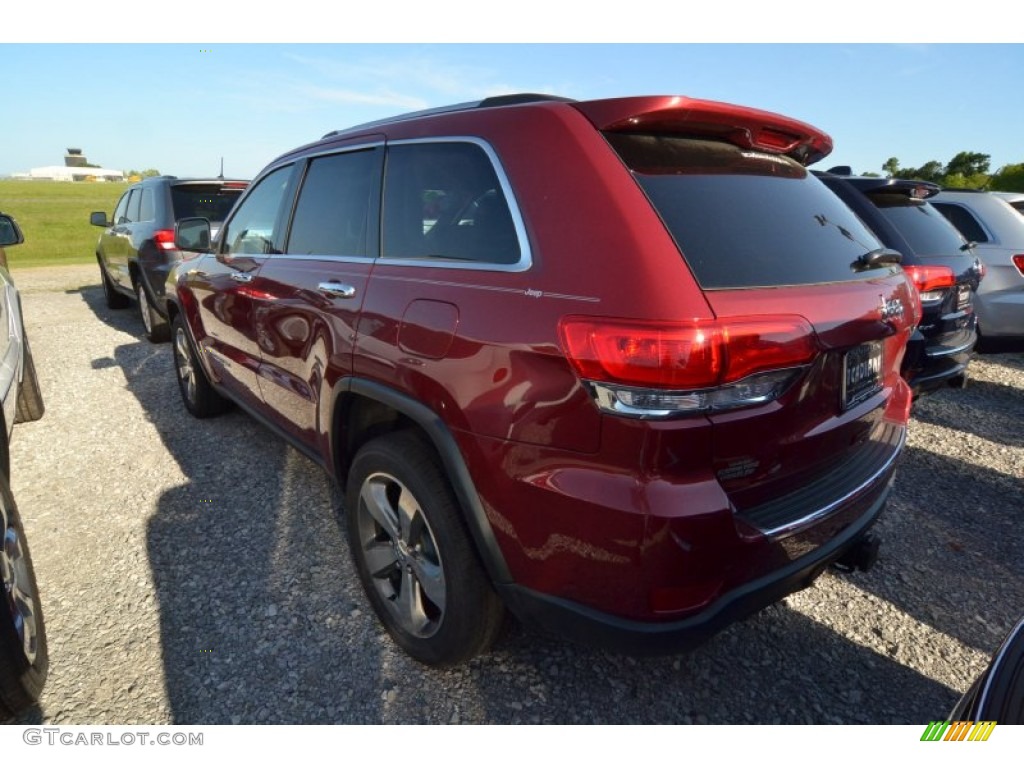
x=998, y=230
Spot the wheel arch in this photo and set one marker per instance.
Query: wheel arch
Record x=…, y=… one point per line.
x=365, y=409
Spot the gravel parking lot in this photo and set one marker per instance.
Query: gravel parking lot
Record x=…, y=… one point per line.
x=196, y=572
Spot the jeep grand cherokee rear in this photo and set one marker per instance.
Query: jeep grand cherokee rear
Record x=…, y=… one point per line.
x=942, y=265
x=624, y=364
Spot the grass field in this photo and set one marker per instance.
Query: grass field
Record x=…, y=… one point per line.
x=54, y=215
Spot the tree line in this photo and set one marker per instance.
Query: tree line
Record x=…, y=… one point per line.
x=134, y=175
x=967, y=170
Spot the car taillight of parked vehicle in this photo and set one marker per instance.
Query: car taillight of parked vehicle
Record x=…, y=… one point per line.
x=1018, y=262
x=657, y=370
x=931, y=281
x=164, y=239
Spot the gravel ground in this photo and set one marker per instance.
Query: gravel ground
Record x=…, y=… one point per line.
x=196, y=572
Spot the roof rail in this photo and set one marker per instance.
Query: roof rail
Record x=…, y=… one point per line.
x=506, y=100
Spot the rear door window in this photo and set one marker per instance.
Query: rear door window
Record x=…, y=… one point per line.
x=743, y=218
x=134, y=203
x=331, y=216
x=146, y=210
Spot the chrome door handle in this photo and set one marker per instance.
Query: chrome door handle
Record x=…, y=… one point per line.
x=241, y=277
x=340, y=290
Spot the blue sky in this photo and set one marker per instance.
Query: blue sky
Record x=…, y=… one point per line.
x=181, y=107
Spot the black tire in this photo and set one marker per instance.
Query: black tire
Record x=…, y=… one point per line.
x=414, y=555
x=197, y=393
x=30, y=396
x=24, y=658
x=157, y=328
x=113, y=299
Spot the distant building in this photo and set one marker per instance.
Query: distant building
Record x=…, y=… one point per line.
x=76, y=168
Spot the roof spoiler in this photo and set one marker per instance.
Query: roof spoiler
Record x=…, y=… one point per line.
x=741, y=126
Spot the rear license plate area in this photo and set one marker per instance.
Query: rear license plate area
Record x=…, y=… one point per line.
x=963, y=296
x=862, y=373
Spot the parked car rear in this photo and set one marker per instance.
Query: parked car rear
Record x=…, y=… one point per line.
x=136, y=250
x=622, y=366
x=937, y=259
x=997, y=230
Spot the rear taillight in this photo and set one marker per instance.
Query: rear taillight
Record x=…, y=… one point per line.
x=164, y=239
x=654, y=370
x=1018, y=262
x=931, y=282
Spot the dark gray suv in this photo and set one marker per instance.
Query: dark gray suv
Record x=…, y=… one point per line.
x=136, y=250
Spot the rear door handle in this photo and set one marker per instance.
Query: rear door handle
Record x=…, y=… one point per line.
x=339, y=290
x=241, y=277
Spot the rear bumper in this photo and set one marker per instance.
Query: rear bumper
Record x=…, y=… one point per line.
x=588, y=626
x=931, y=363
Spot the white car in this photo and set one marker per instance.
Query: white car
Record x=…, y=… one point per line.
x=998, y=231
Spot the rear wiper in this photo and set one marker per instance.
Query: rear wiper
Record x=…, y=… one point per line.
x=877, y=258
x=968, y=246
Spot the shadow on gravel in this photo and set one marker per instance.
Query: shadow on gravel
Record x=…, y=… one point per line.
x=31, y=716
x=251, y=574
x=126, y=320
x=952, y=539
x=991, y=411
x=778, y=666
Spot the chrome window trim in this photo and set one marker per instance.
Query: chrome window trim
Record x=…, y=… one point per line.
x=525, y=253
x=322, y=257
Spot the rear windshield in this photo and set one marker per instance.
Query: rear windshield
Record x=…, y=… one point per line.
x=927, y=230
x=207, y=201
x=744, y=218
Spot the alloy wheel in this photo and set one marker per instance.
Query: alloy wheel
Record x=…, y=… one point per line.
x=186, y=371
x=401, y=555
x=147, y=320
x=18, y=597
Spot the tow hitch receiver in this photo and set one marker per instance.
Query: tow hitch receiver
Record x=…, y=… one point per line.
x=861, y=556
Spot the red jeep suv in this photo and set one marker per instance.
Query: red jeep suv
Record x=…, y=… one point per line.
x=624, y=367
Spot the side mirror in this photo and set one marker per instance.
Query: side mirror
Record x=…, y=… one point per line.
x=192, y=234
x=99, y=219
x=10, y=232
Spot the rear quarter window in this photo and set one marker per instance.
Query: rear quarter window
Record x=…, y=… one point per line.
x=444, y=201
x=963, y=220
x=743, y=218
